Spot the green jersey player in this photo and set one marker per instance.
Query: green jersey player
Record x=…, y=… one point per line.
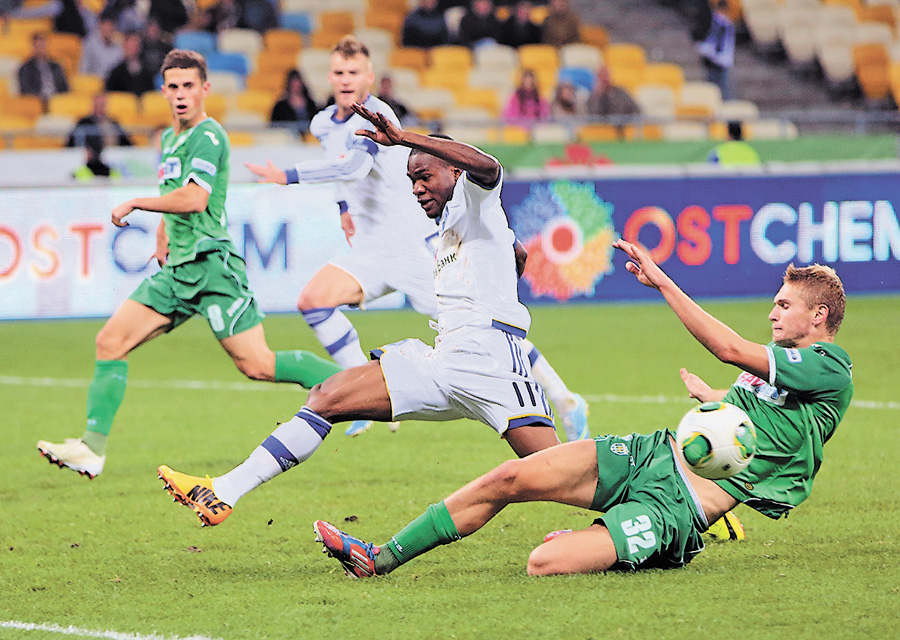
x=201, y=272
x=796, y=389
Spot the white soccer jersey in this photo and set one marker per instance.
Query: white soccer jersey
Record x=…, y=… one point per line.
x=371, y=178
x=475, y=267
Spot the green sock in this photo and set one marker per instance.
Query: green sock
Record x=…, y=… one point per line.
x=431, y=529
x=303, y=367
x=104, y=397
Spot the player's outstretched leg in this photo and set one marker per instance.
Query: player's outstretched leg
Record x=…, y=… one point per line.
x=356, y=557
x=73, y=454
x=195, y=493
x=572, y=408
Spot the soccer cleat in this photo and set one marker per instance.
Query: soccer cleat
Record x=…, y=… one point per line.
x=357, y=557
x=74, y=454
x=393, y=427
x=575, y=421
x=357, y=427
x=728, y=527
x=195, y=493
x=556, y=534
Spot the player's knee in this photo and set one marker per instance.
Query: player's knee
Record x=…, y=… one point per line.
x=309, y=300
x=505, y=481
x=109, y=345
x=542, y=562
x=255, y=370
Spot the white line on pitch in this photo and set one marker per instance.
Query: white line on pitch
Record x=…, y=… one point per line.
x=212, y=385
x=89, y=633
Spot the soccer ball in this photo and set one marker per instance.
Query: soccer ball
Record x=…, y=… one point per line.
x=717, y=440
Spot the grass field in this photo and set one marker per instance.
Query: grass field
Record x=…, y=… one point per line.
x=115, y=555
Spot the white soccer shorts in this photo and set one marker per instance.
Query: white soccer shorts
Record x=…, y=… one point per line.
x=476, y=373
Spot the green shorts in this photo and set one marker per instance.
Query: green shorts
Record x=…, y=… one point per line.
x=648, y=506
x=213, y=285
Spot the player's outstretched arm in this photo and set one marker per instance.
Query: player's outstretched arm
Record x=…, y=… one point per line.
x=481, y=167
x=191, y=198
x=718, y=338
x=699, y=389
x=267, y=173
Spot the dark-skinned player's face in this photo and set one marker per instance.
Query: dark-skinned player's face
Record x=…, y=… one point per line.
x=433, y=181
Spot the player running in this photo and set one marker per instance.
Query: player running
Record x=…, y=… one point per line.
x=201, y=271
x=477, y=368
x=795, y=389
x=389, y=236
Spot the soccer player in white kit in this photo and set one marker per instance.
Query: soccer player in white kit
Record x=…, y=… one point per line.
x=477, y=368
x=390, y=237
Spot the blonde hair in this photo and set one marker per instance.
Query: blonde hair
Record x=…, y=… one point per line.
x=820, y=285
x=350, y=46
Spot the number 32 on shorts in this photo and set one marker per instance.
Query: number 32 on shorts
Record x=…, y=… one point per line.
x=638, y=534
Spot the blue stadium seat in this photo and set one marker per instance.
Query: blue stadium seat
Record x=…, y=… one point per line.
x=199, y=41
x=300, y=22
x=579, y=76
x=234, y=62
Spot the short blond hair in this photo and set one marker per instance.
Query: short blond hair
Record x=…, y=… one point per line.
x=350, y=46
x=820, y=285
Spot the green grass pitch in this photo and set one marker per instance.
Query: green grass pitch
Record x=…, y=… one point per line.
x=115, y=555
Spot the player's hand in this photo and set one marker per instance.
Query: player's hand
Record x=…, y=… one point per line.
x=120, y=211
x=386, y=132
x=521, y=258
x=160, y=255
x=348, y=226
x=695, y=385
x=268, y=173
x=641, y=264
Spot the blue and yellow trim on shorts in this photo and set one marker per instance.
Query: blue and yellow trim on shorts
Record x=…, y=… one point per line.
x=530, y=420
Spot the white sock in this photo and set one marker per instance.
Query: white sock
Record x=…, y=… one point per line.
x=289, y=445
x=337, y=335
x=553, y=385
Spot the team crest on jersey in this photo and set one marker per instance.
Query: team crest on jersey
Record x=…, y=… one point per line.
x=170, y=169
x=761, y=389
x=793, y=355
x=619, y=448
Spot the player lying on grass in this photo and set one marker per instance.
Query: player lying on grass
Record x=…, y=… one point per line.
x=201, y=271
x=477, y=368
x=385, y=226
x=795, y=389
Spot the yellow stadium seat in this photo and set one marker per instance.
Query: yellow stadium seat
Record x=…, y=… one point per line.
x=276, y=62
x=216, y=107
x=871, y=63
x=513, y=134
x=391, y=21
x=410, y=58
x=65, y=48
x=27, y=107
x=31, y=141
x=597, y=132
x=444, y=77
x=255, y=101
x=327, y=38
x=643, y=132
x=337, y=21
x=452, y=57
x=72, y=105
x=595, y=35
x=282, y=40
x=16, y=124
x=155, y=110
x=625, y=54
x=664, y=73
x=27, y=26
x=267, y=82
x=478, y=97
x=123, y=106
x=538, y=56
x=16, y=45
x=241, y=138
x=85, y=84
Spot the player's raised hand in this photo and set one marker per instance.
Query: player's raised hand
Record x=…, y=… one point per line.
x=641, y=264
x=386, y=132
x=268, y=173
x=698, y=388
x=120, y=211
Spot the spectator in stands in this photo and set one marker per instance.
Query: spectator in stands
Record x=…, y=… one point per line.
x=296, y=107
x=94, y=166
x=131, y=75
x=425, y=27
x=607, y=99
x=102, y=49
x=479, y=25
x=562, y=25
x=98, y=129
x=258, y=15
x=717, y=50
x=734, y=152
x=156, y=44
x=73, y=16
x=132, y=15
x=519, y=28
x=386, y=94
x=526, y=106
x=170, y=15
x=40, y=75
x=568, y=101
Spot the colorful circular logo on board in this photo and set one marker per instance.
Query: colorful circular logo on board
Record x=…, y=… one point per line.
x=568, y=233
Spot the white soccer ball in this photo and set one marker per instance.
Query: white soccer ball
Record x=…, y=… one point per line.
x=717, y=440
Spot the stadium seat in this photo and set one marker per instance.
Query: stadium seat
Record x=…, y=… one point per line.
x=25, y=107
x=484, y=98
x=761, y=19
x=836, y=61
x=234, y=62
x=597, y=132
x=594, y=35
x=870, y=61
x=85, y=84
x=339, y=22
x=500, y=80
x=155, y=110
x=514, y=134
x=216, y=106
x=579, y=76
x=296, y=21
x=200, y=41
x=431, y=103
x=226, y=83
x=579, y=54
x=738, y=110
x=656, y=100
x=275, y=137
x=65, y=48
x=626, y=63
x=256, y=102
x=664, y=73
x=468, y=114
x=799, y=44
x=277, y=62
x=538, y=57
x=470, y=134
x=447, y=78
x=874, y=32
x=550, y=133
x=389, y=20
x=771, y=129
x=123, y=106
x=236, y=119
x=376, y=39
x=71, y=105
x=30, y=141
x=450, y=57
x=497, y=56
x=16, y=46
x=682, y=131
x=245, y=41
x=403, y=79
x=266, y=81
x=410, y=58
x=282, y=41
x=53, y=125
x=698, y=100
